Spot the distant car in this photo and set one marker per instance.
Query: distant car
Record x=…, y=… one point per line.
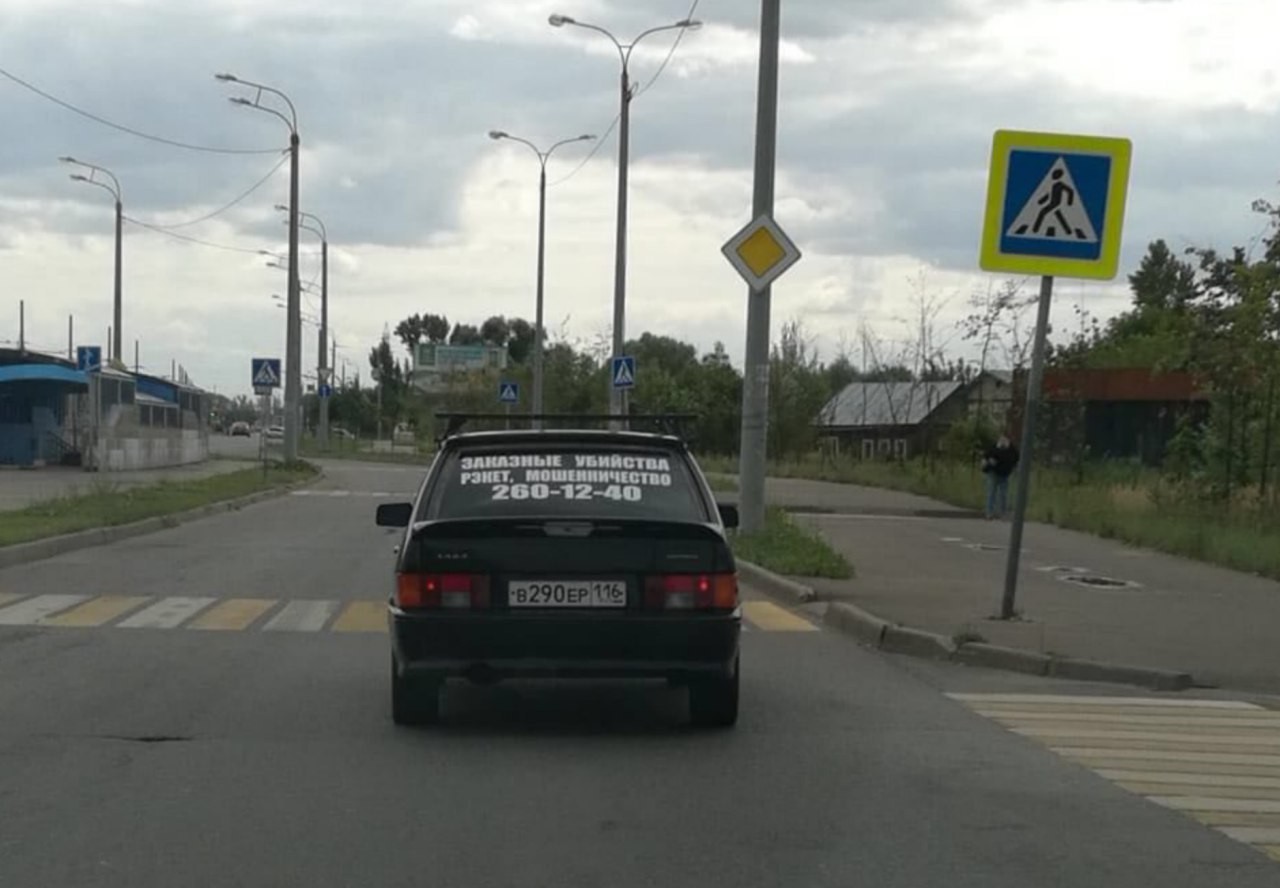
x=275, y=433
x=239, y=430
x=561, y=554
x=342, y=434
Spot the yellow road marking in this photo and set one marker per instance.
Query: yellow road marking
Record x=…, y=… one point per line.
x=100, y=610
x=8, y=598
x=233, y=614
x=362, y=616
x=768, y=616
x=1272, y=850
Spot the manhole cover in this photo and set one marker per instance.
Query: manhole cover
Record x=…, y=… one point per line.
x=1094, y=581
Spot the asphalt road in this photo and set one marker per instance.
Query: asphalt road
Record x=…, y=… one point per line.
x=151, y=738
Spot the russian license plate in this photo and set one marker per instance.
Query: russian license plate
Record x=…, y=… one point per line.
x=567, y=593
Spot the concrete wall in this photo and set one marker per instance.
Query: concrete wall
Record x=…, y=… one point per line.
x=146, y=450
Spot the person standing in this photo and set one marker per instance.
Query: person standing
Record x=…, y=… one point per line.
x=998, y=464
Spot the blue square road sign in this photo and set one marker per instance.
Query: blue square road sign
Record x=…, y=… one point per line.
x=623, y=372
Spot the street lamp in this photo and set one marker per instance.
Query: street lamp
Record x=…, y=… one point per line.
x=322, y=366
x=117, y=192
x=616, y=396
x=293, y=322
x=543, y=157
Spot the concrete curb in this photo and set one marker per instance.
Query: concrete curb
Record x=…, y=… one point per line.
x=895, y=638
x=38, y=550
x=775, y=585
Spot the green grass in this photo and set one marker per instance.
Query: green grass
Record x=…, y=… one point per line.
x=722, y=483
x=359, y=450
x=107, y=504
x=1116, y=500
x=786, y=547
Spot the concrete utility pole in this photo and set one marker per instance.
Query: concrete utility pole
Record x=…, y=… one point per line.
x=293, y=335
x=115, y=348
x=617, y=396
x=322, y=369
x=755, y=397
x=539, y=335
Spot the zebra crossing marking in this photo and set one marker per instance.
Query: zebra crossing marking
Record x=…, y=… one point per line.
x=1216, y=761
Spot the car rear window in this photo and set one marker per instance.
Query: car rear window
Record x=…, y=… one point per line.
x=566, y=481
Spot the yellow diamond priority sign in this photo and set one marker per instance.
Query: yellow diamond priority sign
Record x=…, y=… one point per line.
x=761, y=252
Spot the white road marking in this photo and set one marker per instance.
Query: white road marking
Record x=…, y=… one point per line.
x=167, y=613
x=302, y=616
x=33, y=610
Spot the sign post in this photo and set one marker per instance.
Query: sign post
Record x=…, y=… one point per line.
x=1055, y=207
x=89, y=362
x=508, y=394
x=265, y=376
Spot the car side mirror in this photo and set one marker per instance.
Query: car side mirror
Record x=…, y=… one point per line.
x=395, y=514
x=728, y=515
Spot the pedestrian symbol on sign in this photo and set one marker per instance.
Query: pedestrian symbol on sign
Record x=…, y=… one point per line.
x=624, y=372
x=1055, y=210
x=266, y=373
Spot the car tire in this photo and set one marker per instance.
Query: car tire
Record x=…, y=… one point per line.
x=713, y=702
x=415, y=701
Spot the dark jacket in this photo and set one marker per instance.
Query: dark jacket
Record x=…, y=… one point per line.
x=1000, y=460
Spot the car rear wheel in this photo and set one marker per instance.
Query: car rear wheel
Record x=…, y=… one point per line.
x=713, y=702
x=415, y=700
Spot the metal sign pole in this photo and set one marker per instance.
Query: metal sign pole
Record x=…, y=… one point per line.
x=1034, y=385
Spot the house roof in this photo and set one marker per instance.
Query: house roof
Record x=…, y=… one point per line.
x=41, y=373
x=872, y=404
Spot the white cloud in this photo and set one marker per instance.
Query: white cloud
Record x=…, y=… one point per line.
x=885, y=120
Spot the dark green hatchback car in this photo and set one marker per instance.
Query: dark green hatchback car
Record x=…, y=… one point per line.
x=564, y=554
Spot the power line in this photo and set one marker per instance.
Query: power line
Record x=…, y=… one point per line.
x=693, y=8
x=187, y=238
x=675, y=44
x=594, y=149
x=125, y=129
x=218, y=212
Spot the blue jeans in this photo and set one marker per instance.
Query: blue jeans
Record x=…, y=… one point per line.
x=997, y=495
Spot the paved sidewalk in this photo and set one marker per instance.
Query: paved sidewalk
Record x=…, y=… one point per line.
x=22, y=487
x=946, y=575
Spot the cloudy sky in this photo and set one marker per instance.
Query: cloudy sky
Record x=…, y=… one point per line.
x=886, y=116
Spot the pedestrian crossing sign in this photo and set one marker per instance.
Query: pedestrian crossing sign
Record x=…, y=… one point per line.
x=1055, y=204
x=624, y=372
x=266, y=373
x=508, y=393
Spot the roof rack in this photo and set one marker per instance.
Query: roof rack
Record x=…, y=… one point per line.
x=665, y=423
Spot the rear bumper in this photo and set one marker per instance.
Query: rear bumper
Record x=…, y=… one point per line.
x=504, y=645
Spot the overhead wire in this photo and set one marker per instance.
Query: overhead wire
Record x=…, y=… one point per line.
x=239, y=199
x=693, y=8
x=127, y=129
x=198, y=241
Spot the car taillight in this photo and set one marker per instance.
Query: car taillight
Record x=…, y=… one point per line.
x=449, y=591
x=691, y=591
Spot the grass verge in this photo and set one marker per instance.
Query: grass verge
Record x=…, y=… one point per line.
x=1117, y=501
x=355, y=451
x=107, y=504
x=722, y=483
x=787, y=547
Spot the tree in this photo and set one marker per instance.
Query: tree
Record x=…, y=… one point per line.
x=410, y=332
x=435, y=327
x=495, y=331
x=520, y=342
x=466, y=334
